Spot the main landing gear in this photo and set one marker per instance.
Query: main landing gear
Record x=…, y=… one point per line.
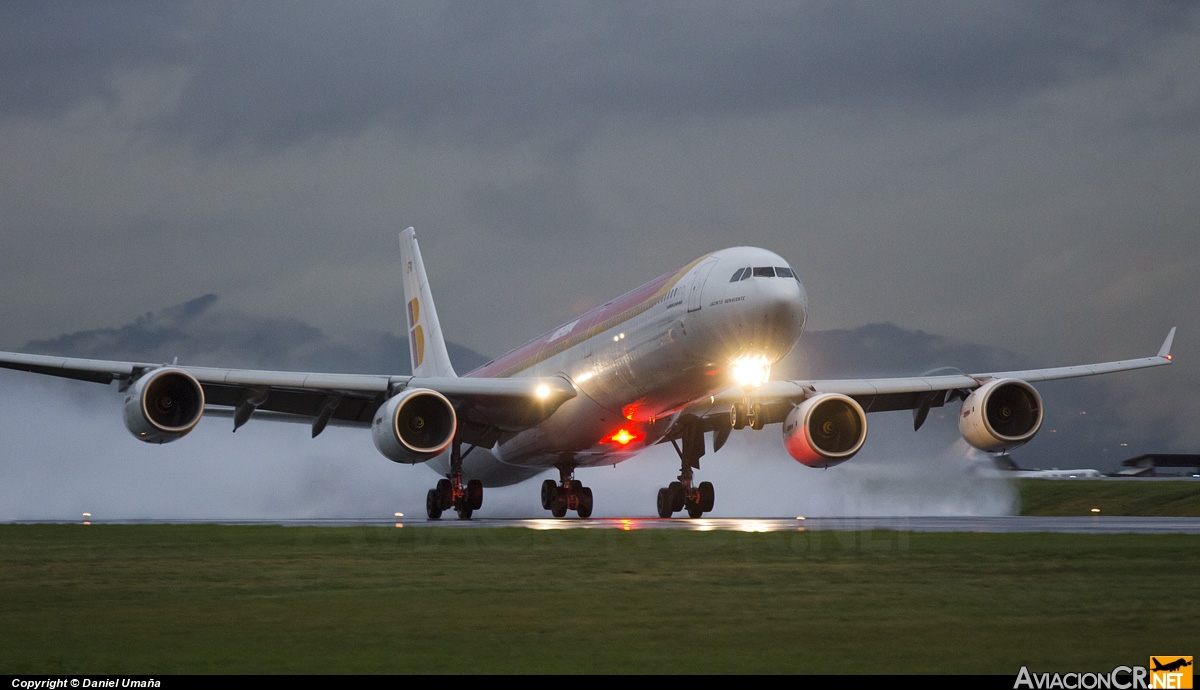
x=682, y=494
x=567, y=494
x=450, y=492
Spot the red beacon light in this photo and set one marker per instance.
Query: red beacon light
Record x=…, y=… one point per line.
x=622, y=437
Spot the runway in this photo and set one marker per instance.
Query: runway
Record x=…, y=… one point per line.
x=1007, y=524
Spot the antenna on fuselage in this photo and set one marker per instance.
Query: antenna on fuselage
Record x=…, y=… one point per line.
x=426, y=346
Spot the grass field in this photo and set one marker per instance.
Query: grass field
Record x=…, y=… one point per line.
x=199, y=599
x=1115, y=497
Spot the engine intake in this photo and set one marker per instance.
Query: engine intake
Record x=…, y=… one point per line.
x=1000, y=415
x=825, y=430
x=163, y=405
x=414, y=426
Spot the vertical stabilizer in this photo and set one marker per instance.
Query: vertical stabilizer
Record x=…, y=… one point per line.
x=427, y=348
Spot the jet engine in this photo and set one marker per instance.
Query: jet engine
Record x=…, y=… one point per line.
x=414, y=426
x=825, y=430
x=163, y=405
x=1000, y=415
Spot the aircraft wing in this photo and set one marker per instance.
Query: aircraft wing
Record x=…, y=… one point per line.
x=340, y=399
x=777, y=398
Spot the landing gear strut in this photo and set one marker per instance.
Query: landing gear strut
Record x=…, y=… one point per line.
x=682, y=494
x=451, y=493
x=567, y=494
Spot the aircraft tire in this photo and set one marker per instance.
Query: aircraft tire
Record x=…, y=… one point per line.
x=446, y=490
x=475, y=494
x=664, y=503
x=433, y=504
x=549, y=491
x=585, y=503
x=756, y=417
x=737, y=416
x=559, y=509
x=708, y=496
x=464, y=512
x=695, y=511
x=676, y=496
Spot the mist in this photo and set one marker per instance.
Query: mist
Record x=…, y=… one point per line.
x=64, y=449
x=65, y=452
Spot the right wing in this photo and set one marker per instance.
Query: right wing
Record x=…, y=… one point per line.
x=792, y=402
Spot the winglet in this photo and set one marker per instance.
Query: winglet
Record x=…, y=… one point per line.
x=1165, y=350
x=427, y=348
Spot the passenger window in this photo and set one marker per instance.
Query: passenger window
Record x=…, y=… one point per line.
x=764, y=272
x=784, y=272
x=746, y=273
x=737, y=276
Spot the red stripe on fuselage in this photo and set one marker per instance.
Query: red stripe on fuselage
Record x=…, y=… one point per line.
x=591, y=324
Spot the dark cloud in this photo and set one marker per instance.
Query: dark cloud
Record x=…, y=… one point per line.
x=201, y=335
x=273, y=74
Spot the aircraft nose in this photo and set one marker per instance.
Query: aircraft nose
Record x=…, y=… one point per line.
x=782, y=309
x=771, y=319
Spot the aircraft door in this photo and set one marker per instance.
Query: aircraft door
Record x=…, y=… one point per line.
x=700, y=275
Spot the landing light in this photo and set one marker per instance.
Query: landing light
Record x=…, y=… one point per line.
x=751, y=371
x=543, y=391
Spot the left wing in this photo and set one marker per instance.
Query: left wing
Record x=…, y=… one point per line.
x=1009, y=409
x=317, y=398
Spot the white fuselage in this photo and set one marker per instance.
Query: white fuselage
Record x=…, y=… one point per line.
x=639, y=360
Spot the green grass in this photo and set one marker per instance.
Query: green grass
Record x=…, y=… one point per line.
x=201, y=599
x=1115, y=497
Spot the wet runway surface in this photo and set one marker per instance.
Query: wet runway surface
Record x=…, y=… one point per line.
x=1062, y=525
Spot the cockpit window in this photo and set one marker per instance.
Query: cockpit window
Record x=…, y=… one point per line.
x=746, y=273
x=784, y=272
x=764, y=272
x=737, y=276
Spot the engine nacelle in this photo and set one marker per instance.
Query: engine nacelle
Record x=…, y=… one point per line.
x=1000, y=415
x=163, y=405
x=825, y=430
x=414, y=426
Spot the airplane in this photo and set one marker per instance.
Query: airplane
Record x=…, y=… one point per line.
x=682, y=357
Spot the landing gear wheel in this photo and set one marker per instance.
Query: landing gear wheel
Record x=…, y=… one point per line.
x=475, y=494
x=676, y=494
x=559, y=509
x=445, y=493
x=664, y=503
x=708, y=496
x=695, y=511
x=756, y=417
x=464, y=511
x=738, y=416
x=433, y=504
x=549, y=491
x=585, y=503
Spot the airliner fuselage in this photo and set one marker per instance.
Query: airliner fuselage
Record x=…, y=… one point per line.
x=637, y=361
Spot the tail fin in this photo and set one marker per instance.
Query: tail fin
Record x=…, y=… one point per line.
x=427, y=348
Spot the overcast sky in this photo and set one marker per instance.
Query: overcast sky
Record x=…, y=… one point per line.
x=1022, y=175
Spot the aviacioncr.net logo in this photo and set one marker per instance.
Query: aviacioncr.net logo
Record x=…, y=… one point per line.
x=1173, y=672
